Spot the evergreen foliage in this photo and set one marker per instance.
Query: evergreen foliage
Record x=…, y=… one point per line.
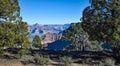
x=79, y=38
x=13, y=31
x=101, y=21
x=9, y=10
x=37, y=41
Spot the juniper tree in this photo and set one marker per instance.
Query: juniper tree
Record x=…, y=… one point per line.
x=101, y=20
x=79, y=38
x=9, y=10
x=37, y=41
x=13, y=31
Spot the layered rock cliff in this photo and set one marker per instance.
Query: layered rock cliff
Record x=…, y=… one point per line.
x=51, y=37
x=48, y=33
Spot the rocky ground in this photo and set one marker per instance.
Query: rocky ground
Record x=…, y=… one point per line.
x=4, y=62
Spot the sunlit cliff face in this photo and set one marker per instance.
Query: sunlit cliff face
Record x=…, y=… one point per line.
x=48, y=33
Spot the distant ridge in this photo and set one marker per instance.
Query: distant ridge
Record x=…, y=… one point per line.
x=48, y=32
x=40, y=29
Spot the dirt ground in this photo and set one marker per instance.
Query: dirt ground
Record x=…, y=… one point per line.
x=4, y=62
x=17, y=63
x=10, y=63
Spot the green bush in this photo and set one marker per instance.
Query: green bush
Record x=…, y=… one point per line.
x=66, y=61
x=26, y=59
x=41, y=60
x=106, y=62
x=109, y=62
x=1, y=53
x=24, y=51
x=37, y=59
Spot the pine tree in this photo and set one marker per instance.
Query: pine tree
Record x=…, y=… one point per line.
x=9, y=10
x=37, y=41
x=79, y=38
x=101, y=20
x=7, y=34
x=22, y=33
x=13, y=31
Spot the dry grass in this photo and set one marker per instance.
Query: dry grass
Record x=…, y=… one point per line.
x=4, y=62
x=80, y=65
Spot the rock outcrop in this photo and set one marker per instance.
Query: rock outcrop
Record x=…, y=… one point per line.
x=51, y=37
x=48, y=33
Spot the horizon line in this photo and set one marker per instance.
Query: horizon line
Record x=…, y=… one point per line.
x=51, y=23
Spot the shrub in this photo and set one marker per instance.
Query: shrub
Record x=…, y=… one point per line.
x=41, y=60
x=26, y=59
x=1, y=53
x=37, y=59
x=66, y=61
x=106, y=62
x=24, y=51
x=109, y=62
x=87, y=60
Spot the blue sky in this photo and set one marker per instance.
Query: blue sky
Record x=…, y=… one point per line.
x=52, y=11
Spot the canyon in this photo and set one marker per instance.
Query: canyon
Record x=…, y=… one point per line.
x=48, y=33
